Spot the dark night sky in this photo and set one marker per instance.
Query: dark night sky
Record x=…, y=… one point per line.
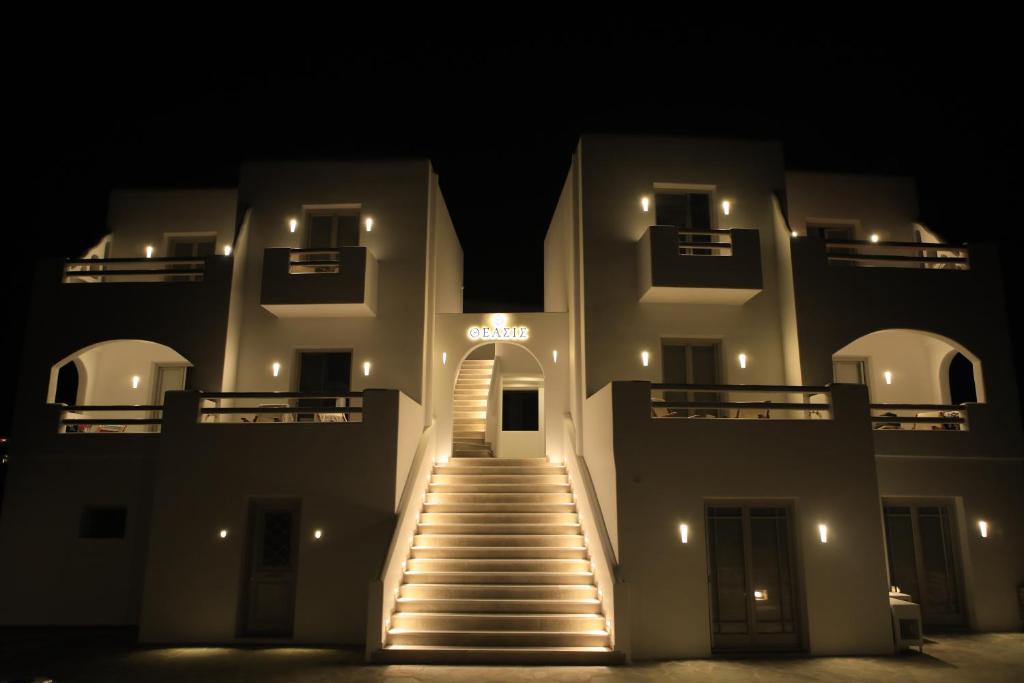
x=499, y=117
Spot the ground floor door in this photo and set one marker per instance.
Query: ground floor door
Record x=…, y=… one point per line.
x=269, y=606
x=923, y=562
x=752, y=578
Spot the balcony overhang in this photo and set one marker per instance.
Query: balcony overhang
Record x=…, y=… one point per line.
x=340, y=282
x=675, y=267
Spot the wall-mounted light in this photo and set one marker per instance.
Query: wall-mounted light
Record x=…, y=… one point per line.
x=645, y=358
x=293, y=224
x=792, y=233
x=135, y=381
x=823, y=533
x=369, y=224
x=874, y=238
x=983, y=528
x=760, y=594
x=726, y=206
x=554, y=356
x=742, y=358
x=149, y=251
x=645, y=204
x=366, y=368
x=499, y=320
x=227, y=250
x=275, y=368
x=444, y=358
x=223, y=533
x=888, y=376
x=318, y=534
x=684, y=533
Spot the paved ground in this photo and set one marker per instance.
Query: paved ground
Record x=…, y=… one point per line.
x=77, y=659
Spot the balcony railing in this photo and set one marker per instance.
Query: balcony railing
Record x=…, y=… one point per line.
x=736, y=401
x=918, y=416
x=111, y=419
x=252, y=407
x=705, y=242
x=313, y=261
x=897, y=254
x=117, y=270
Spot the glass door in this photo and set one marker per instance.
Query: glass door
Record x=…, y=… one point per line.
x=923, y=561
x=752, y=580
x=691, y=363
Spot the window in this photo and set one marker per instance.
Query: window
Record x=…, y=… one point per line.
x=520, y=410
x=332, y=229
x=686, y=211
x=849, y=371
x=102, y=522
x=189, y=246
x=67, y=384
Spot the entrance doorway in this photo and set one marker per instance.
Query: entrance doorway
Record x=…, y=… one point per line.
x=269, y=606
x=753, y=583
x=923, y=561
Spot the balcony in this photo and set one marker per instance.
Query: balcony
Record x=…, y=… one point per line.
x=319, y=283
x=698, y=266
x=971, y=429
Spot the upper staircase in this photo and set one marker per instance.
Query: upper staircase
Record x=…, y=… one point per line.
x=469, y=410
x=499, y=571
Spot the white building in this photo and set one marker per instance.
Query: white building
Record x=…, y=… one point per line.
x=755, y=402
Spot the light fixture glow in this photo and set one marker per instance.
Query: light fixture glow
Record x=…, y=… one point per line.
x=499, y=320
x=726, y=206
x=743, y=360
x=149, y=251
x=645, y=358
x=135, y=381
x=888, y=376
x=318, y=534
x=760, y=594
x=874, y=238
x=983, y=528
x=223, y=533
x=645, y=204
x=275, y=368
x=444, y=358
x=792, y=233
x=227, y=250
x=823, y=533
x=293, y=224
x=366, y=368
x=554, y=356
x=684, y=533
x=369, y=224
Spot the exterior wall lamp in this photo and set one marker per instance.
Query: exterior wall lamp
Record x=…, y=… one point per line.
x=369, y=224
x=645, y=204
x=275, y=368
x=684, y=533
x=645, y=358
x=983, y=528
x=293, y=224
x=742, y=358
x=823, y=533
x=726, y=206
x=366, y=368
x=888, y=376
x=149, y=251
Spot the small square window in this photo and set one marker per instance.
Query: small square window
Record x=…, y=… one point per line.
x=520, y=410
x=102, y=522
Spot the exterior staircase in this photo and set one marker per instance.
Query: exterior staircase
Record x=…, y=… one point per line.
x=499, y=571
x=469, y=410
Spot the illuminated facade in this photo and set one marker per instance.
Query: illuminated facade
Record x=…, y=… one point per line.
x=755, y=404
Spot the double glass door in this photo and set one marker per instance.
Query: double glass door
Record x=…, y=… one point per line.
x=752, y=578
x=922, y=559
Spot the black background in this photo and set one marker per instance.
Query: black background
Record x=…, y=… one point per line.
x=499, y=115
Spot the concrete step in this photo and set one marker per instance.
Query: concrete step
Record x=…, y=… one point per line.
x=499, y=488
x=500, y=479
x=482, y=528
x=490, y=656
x=497, y=605
x=499, y=638
x=517, y=578
x=573, y=540
x=454, y=552
x=442, y=518
x=477, y=564
x=497, y=591
x=483, y=621
x=499, y=507
x=540, y=468
x=506, y=462
x=530, y=498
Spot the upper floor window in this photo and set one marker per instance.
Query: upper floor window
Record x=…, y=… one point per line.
x=686, y=211
x=332, y=228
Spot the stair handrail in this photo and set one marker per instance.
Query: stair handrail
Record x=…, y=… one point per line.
x=383, y=590
x=593, y=525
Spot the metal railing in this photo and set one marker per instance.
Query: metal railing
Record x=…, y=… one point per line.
x=84, y=420
x=713, y=401
x=897, y=254
x=91, y=271
x=918, y=416
x=314, y=261
x=717, y=242
x=251, y=407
